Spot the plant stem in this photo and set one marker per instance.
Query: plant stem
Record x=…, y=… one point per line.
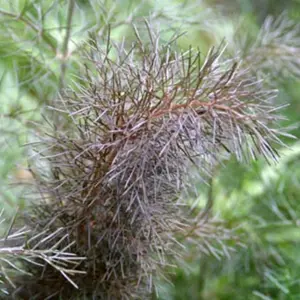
x=48, y=39
x=65, y=48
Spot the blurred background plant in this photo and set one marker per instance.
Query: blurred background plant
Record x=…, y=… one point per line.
x=41, y=44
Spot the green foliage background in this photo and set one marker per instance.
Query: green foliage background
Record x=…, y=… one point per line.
x=261, y=200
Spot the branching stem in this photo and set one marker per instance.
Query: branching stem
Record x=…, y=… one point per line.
x=50, y=41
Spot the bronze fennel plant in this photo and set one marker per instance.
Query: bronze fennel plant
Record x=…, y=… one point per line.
x=119, y=161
